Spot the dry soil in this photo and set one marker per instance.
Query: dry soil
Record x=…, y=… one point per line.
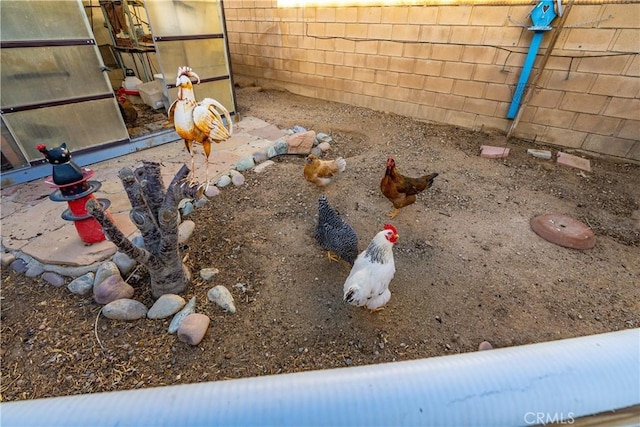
x=469, y=268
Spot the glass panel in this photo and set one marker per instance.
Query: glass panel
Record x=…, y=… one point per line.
x=12, y=157
x=42, y=74
x=85, y=124
x=207, y=58
x=42, y=20
x=219, y=90
x=185, y=17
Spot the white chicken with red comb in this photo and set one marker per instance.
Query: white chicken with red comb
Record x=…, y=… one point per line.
x=368, y=283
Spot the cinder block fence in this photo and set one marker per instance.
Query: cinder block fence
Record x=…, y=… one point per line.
x=453, y=62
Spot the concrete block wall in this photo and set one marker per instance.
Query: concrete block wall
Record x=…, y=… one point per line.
x=456, y=64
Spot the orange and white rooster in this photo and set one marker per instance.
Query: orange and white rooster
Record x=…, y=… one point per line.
x=198, y=122
x=368, y=283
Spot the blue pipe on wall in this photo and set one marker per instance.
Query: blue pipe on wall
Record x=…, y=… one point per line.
x=526, y=72
x=555, y=381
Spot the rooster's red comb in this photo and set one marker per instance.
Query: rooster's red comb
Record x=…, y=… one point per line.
x=390, y=227
x=41, y=147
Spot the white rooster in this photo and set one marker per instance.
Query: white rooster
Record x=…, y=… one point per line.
x=198, y=122
x=368, y=283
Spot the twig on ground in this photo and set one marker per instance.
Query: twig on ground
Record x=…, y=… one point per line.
x=95, y=328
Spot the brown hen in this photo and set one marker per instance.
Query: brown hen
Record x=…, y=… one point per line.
x=322, y=172
x=401, y=190
x=128, y=111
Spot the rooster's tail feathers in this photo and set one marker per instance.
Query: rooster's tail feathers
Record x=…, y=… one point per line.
x=349, y=295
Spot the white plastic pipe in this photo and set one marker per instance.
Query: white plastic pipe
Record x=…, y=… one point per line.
x=554, y=381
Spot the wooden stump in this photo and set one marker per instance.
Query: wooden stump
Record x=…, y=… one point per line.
x=154, y=210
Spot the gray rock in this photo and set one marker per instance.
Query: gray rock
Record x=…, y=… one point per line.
x=35, y=269
x=167, y=305
x=271, y=152
x=111, y=289
x=138, y=241
x=193, y=328
x=237, y=180
x=82, y=285
x=485, y=345
x=298, y=129
x=185, y=230
x=106, y=269
x=208, y=273
x=181, y=315
x=281, y=147
x=323, y=137
x=316, y=151
x=19, y=266
x=187, y=209
x=221, y=296
x=223, y=181
x=245, y=163
x=124, y=263
x=260, y=156
x=212, y=191
x=262, y=166
x=125, y=309
x=7, y=259
x=324, y=146
x=54, y=279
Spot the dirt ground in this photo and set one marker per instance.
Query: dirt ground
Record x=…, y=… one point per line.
x=469, y=268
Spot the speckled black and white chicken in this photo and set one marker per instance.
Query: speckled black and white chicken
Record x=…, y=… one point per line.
x=334, y=234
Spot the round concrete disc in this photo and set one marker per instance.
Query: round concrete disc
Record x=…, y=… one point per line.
x=564, y=231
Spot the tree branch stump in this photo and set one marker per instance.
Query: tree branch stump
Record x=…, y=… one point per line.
x=155, y=213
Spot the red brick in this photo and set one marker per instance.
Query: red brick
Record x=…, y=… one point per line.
x=574, y=161
x=493, y=152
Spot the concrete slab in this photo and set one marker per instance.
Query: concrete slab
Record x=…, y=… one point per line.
x=252, y=146
x=124, y=224
x=249, y=124
x=232, y=143
x=28, y=193
x=8, y=208
x=119, y=203
x=31, y=223
x=64, y=247
x=271, y=132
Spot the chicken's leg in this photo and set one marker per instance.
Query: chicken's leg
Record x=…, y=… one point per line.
x=206, y=146
x=394, y=213
x=192, y=173
x=332, y=256
x=190, y=179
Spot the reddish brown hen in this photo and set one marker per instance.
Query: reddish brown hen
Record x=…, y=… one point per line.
x=128, y=111
x=401, y=190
